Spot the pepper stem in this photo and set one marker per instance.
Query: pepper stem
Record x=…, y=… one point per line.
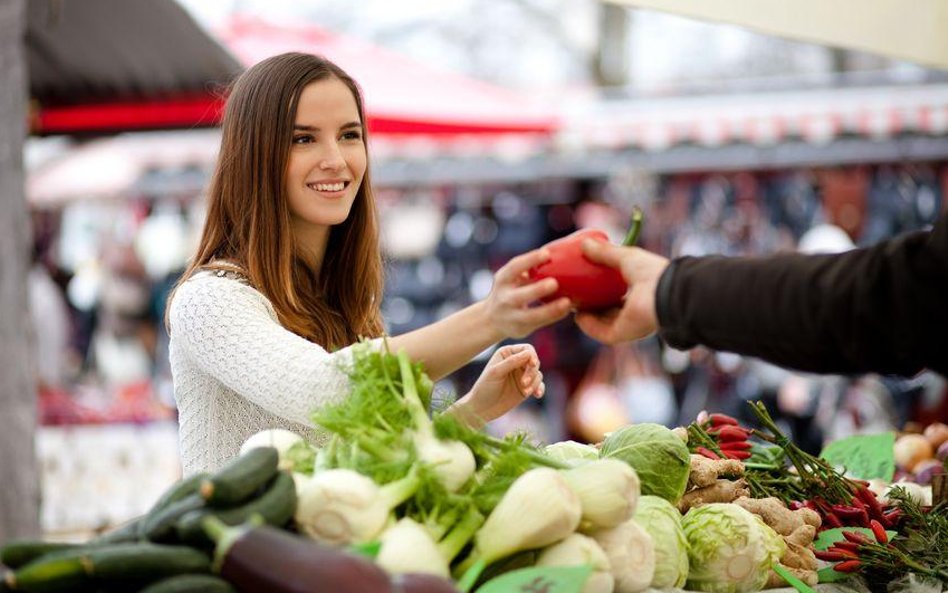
x=635, y=229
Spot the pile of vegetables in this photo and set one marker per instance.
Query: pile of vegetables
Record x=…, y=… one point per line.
x=400, y=500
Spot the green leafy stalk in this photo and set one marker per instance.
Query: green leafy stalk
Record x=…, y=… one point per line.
x=632, y=237
x=816, y=476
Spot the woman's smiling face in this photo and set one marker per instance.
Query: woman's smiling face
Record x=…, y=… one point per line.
x=327, y=159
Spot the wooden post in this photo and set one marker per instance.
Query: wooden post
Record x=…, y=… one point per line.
x=19, y=482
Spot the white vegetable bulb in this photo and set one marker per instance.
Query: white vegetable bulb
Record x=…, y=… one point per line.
x=341, y=507
x=452, y=461
x=537, y=510
x=278, y=438
x=608, y=490
x=577, y=550
x=631, y=555
x=408, y=547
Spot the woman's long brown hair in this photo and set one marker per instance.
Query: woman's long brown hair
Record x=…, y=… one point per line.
x=248, y=219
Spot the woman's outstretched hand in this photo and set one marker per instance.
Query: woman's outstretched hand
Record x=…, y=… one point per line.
x=509, y=302
x=512, y=374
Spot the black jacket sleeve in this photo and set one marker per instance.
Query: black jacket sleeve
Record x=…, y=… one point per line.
x=879, y=309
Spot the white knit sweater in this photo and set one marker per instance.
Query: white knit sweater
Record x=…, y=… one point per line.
x=237, y=371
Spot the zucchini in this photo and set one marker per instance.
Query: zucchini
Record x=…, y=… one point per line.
x=275, y=506
x=18, y=553
x=238, y=480
x=105, y=566
x=179, y=490
x=190, y=583
x=159, y=526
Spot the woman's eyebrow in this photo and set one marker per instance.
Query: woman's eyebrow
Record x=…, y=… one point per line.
x=305, y=128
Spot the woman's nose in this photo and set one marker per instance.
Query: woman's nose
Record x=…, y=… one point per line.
x=332, y=159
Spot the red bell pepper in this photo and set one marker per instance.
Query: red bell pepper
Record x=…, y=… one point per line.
x=590, y=286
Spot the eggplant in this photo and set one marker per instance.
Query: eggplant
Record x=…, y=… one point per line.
x=258, y=558
x=421, y=583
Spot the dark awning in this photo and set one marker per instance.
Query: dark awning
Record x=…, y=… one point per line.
x=102, y=66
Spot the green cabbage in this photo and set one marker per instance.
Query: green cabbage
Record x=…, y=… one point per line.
x=657, y=455
x=663, y=522
x=572, y=452
x=731, y=550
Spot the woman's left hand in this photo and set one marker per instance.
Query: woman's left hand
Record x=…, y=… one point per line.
x=511, y=375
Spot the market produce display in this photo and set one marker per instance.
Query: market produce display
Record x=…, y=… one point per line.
x=400, y=500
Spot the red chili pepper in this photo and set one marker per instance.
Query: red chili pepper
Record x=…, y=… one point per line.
x=590, y=286
x=707, y=453
x=831, y=519
x=834, y=555
x=872, y=503
x=856, y=537
x=879, y=531
x=737, y=454
x=851, y=547
x=736, y=446
x=893, y=517
x=730, y=433
x=719, y=419
x=845, y=512
x=848, y=566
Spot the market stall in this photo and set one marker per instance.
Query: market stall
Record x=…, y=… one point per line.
x=396, y=500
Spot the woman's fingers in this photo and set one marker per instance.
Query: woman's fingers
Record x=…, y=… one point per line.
x=530, y=293
x=513, y=270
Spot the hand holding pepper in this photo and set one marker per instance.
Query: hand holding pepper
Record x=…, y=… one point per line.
x=636, y=318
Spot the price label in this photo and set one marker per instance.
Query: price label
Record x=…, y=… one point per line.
x=864, y=456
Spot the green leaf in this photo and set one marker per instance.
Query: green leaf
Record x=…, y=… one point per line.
x=864, y=456
x=792, y=580
x=368, y=549
x=828, y=575
x=547, y=579
x=830, y=536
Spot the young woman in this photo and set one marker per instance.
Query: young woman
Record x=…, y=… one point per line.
x=288, y=275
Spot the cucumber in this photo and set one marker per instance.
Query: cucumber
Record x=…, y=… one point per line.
x=190, y=583
x=18, y=553
x=145, y=562
x=65, y=572
x=105, y=566
x=159, y=526
x=275, y=506
x=179, y=490
x=128, y=532
x=239, y=479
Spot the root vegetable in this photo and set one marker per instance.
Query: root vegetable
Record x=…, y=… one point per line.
x=936, y=433
x=705, y=472
x=720, y=491
x=776, y=515
x=810, y=577
x=910, y=449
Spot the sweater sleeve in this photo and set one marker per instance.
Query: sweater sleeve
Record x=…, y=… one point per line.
x=229, y=331
x=881, y=309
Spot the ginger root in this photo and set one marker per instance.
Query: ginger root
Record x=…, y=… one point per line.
x=719, y=491
x=776, y=515
x=807, y=576
x=705, y=472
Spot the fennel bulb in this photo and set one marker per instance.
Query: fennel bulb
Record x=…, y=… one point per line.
x=608, y=491
x=631, y=555
x=408, y=547
x=577, y=550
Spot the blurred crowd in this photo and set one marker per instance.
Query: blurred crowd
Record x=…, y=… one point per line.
x=102, y=271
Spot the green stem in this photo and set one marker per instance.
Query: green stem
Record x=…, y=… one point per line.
x=461, y=534
x=397, y=492
x=415, y=406
x=635, y=229
x=536, y=457
x=471, y=574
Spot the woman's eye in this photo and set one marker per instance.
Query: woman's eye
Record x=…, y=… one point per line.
x=354, y=135
x=302, y=139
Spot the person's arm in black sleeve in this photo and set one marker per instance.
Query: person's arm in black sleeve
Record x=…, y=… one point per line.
x=880, y=309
